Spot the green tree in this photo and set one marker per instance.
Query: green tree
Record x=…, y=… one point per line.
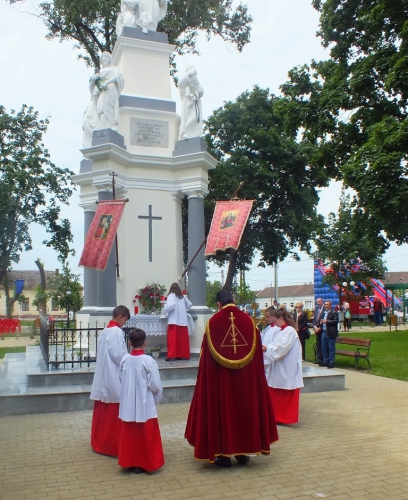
x=351, y=251
x=212, y=289
x=352, y=110
x=243, y=294
x=31, y=188
x=249, y=140
x=62, y=282
x=92, y=24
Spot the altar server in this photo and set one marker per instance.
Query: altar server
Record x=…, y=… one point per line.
x=268, y=333
x=106, y=385
x=284, y=375
x=140, y=445
x=178, y=344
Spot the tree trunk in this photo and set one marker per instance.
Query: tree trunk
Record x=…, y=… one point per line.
x=231, y=270
x=42, y=305
x=9, y=300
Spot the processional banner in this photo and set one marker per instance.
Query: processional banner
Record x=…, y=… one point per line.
x=228, y=224
x=101, y=233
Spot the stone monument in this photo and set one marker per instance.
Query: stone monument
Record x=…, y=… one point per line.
x=138, y=142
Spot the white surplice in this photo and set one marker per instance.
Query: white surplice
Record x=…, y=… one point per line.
x=111, y=349
x=140, y=389
x=176, y=309
x=284, y=353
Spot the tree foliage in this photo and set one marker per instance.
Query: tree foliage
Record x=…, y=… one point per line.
x=352, y=109
x=62, y=282
x=248, y=138
x=31, y=188
x=349, y=250
x=92, y=24
x=212, y=289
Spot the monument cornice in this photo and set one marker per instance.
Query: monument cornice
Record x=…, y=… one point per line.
x=124, y=43
x=101, y=179
x=115, y=153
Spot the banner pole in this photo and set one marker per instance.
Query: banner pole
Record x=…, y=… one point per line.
x=116, y=235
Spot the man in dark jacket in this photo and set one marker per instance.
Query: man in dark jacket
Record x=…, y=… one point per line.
x=317, y=327
x=330, y=332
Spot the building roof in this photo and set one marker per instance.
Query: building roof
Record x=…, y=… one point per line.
x=287, y=291
x=395, y=278
x=31, y=278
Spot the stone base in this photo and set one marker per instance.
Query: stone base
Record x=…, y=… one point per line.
x=190, y=146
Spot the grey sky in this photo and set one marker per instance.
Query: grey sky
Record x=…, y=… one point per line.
x=48, y=76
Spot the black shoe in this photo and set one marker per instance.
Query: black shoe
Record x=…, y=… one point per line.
x=242, y=459
x=330, y=366
x=170, y=359
x=323, y=364
x=222, y=461
x=139, y=470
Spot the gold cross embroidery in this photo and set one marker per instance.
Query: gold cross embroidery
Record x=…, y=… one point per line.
x=233, y=336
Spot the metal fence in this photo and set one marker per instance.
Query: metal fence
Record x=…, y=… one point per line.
x=64, y=347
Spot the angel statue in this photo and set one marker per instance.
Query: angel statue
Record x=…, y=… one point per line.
x=145, y=14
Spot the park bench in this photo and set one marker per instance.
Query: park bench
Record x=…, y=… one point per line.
x=362, y=350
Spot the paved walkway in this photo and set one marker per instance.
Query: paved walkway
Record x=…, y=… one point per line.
x=349, y=445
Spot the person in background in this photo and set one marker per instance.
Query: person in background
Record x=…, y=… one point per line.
x=284, y=375
x=106, y=385
x=140, y=444
x=178, y=344
x=301, y=326
x=330, y=332
x=268, y=333
x=346, y=317
x=317, y=327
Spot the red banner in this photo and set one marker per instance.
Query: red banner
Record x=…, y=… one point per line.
x=101, y=233
x=228, y=224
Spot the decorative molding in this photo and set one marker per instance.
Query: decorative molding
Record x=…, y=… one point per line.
x=136, y=44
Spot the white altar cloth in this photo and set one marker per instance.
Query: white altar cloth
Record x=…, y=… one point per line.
x=154, y=324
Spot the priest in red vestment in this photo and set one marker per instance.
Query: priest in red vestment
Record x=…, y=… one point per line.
x=231, y=413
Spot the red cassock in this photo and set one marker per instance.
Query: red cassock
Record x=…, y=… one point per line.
x=231, y=411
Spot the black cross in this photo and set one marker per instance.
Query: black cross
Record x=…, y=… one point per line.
x=150, y=218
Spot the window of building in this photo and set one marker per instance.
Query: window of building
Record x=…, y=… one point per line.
x=54, y=305
x=25, y=306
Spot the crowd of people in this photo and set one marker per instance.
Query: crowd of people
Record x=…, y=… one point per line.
x=246, y=383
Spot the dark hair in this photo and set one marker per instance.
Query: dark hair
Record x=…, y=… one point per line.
x=283, y=313
x=224, y=297
x=120, y=311
x=137, y=337
x=175, y=288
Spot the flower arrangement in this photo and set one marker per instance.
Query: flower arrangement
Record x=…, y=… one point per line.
x=150, y=297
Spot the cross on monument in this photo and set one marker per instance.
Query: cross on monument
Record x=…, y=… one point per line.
x=150, y=219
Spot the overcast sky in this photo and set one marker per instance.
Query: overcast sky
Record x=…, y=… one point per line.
x=48, y=76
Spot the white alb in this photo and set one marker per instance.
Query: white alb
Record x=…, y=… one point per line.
x=140, y=389
x=111, y=349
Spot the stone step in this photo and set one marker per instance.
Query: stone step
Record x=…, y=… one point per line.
x=55, y=399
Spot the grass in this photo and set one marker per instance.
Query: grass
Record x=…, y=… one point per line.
x=5, y=350
x=388, y=353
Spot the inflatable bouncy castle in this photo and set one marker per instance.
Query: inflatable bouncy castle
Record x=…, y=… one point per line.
x=329, y=292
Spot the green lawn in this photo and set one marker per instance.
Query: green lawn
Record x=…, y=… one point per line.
x=388, y=353
x=5, y=350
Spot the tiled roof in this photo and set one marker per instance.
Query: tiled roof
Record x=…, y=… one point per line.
x=287, y=291
x=395, y=278
x=31, y=278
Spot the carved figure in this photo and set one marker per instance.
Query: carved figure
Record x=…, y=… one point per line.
x=191, y=112
x=103, y=110
x=143, y=13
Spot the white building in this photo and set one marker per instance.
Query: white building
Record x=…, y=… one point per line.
x=288, y=295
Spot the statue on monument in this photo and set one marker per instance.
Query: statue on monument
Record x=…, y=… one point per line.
x=103, y=110
x=143, y=13
x=191, y=112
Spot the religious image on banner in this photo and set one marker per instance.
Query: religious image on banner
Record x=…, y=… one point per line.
x=101, y=234
x=228, y=224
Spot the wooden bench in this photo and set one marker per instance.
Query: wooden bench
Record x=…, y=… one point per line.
x=361, y=345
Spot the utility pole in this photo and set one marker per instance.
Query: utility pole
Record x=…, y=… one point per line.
x=276, y=283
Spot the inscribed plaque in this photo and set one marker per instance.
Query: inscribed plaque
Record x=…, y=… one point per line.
x=149, y=133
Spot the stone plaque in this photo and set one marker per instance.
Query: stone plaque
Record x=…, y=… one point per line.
x=149, y=133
